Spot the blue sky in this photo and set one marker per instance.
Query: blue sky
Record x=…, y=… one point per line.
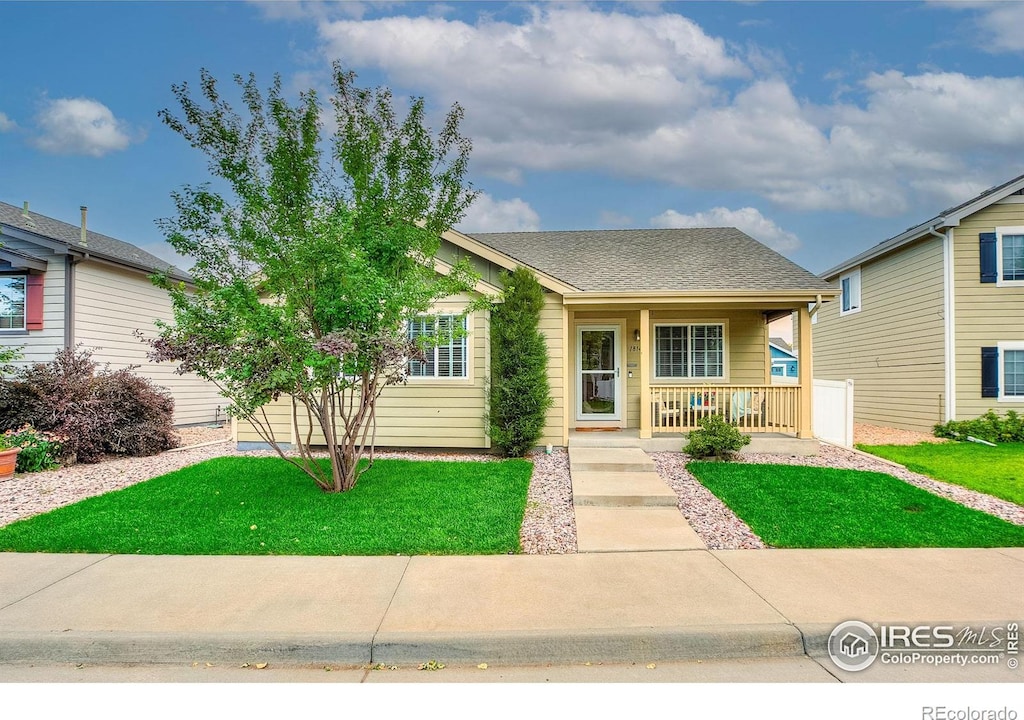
x=818, y=128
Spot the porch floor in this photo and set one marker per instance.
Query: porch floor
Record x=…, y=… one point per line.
x=775, y=443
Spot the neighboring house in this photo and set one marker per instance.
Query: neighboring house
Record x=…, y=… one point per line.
x=646, y=330
x=61, y=285
x=930, y=323
x=784, y=362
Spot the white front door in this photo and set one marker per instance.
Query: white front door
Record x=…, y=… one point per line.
x=597, y=374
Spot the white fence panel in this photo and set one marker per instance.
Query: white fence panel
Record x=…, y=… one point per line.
x=833, y=411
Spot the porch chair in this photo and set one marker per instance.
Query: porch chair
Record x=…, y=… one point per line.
x=745, y=408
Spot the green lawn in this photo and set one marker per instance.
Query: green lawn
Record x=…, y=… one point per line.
x=809, y=507
x=264, y=506
x=996, y=471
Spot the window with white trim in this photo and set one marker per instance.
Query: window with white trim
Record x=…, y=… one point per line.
x=1011, y=371
x=12, y=302
x=849, y=292
x=447, y=359
x=689, y=351
x=1010, y=255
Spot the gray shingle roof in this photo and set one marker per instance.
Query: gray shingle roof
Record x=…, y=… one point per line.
x=685, y=259
x=98, y=244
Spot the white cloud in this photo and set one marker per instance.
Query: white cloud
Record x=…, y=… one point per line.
x=6, y=124
x=652, y=96
x=748, y=219
x=998, y=26
x=489, y=215
x=81, y=126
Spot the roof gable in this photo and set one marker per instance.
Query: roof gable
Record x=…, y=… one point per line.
x=950, y=217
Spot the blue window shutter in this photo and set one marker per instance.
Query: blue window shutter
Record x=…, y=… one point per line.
x=990, y=372
x=987, y=248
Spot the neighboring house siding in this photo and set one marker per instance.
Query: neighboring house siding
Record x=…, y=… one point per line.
x=110, y=304
x=893, y=348
x=40, y=345
x=985, y=314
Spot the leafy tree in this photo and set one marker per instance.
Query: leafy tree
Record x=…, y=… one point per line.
x=520, y=394
x=312, y=260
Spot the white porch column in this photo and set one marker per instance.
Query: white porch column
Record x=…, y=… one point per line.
x=645, y=374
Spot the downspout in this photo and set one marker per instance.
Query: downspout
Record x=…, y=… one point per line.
x=811, y=312
x=69, y=282
x=948, y=321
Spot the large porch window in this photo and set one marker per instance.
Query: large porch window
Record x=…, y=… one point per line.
x=689, y=351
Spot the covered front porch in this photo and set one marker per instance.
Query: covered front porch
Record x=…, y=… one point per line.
x=656, y=368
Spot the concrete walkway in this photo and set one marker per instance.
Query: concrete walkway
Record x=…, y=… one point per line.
x=623, y=505
x=611, y=607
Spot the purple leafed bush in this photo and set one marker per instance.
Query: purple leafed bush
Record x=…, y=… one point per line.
x=96, y=411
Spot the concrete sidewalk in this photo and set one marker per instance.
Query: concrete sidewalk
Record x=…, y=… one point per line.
x=653, y=606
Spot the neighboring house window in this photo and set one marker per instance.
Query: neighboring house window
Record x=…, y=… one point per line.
x=1002, y=256
x=12, y=302
x=1011, y=251
x=849, y=287
x=449, y=358
x=1002, y=371
x=689, y=351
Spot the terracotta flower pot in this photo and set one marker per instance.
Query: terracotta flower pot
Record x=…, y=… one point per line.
x=8, y=459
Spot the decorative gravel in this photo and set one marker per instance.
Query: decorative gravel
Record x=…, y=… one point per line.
x=710, y=518
x=864, y=434
x=549, y=524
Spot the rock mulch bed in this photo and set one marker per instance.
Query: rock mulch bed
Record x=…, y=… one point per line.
x=710, y=518
x=864, y=434
x=549, y=524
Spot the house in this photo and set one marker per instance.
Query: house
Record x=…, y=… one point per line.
x=63, y=285
x=930, y=323
x=784, y=362
x=647, y=330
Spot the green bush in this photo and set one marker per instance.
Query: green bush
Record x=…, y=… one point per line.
x=715, y=438
x=520, y=394
x=39, y=450
x=990, y=427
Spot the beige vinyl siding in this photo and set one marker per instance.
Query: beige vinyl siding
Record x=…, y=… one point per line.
x=443, y=413
x=745, y=342
x=894, y=348
x=40, y=345
x=551, y=327
x=985, y=314
x=110, y=304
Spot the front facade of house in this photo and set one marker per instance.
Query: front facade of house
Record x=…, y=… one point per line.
x=62, y=285
x=930, y=324
x=645, y=330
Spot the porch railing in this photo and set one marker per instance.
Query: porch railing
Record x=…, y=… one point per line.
x=751, y=408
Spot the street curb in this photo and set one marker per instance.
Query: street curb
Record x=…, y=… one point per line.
x=598, y=645
x=607, y=645
x=157, y=648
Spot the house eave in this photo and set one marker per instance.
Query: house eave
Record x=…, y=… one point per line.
x=694, y=297
x=486, y=252
x=18, y=261
x=937, y=223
